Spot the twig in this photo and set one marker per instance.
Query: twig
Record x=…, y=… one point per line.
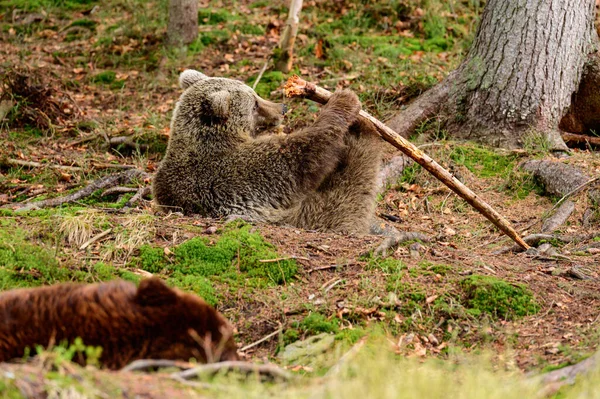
x=263, y=339
x=95, y=238
x=144, y=364
x=260, y=74
x=333, y=285
x=32, y=164
x=284, y=258
x=296, y=86
x=573, y=192
x=102, y=183
x=334, y=266
x=245, y=367
x=112, y=166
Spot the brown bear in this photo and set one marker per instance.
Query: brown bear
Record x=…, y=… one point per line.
x=219, y=164
x=152, y=321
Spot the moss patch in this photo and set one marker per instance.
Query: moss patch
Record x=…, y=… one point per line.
x=497, y=298
x=483, y=162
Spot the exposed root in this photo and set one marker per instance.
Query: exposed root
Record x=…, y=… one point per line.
x=422, y=108
x=145, y=364
x=535, y=239
x=100, y=184
x=560, y=216
x=268, y=370
x=141, y=193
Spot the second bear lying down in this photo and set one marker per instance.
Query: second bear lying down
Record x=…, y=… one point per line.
x=217, y=164
x=129, y=323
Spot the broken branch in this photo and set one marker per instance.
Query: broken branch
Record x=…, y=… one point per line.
x=297, y=87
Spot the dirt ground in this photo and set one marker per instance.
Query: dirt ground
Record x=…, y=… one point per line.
x=334, y=277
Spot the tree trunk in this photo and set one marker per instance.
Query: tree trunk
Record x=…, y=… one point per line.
x=182, y=27
x=517, y=80
x=525, y=63
x=284, y=56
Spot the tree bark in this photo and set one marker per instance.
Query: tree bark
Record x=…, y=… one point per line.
x=182, y=27
x=517, y=80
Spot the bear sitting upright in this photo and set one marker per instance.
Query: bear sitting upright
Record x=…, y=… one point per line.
x=129, y=323
x=218, y=163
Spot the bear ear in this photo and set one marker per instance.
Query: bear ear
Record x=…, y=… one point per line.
x=189, y=77
x=219, y=102
x=154, y=292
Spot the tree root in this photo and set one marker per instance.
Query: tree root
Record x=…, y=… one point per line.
x=554, y=380
x=535, y=239
x=269, y=370
x=422, y=108
x=560, y=216
x=100, y=184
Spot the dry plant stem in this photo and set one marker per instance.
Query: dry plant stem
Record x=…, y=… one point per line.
x=263, y=339
x=212, y=368
x=95, y=238
x=296, y=86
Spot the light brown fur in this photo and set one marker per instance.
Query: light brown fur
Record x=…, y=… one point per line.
x=323, y=177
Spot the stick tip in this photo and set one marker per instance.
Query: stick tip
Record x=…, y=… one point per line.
x=295, y=86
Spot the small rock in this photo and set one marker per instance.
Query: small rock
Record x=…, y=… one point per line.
x=211, y=230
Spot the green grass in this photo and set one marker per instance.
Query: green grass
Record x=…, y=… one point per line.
x=497, y=298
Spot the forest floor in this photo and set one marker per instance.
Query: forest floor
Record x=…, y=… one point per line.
x=87, y=91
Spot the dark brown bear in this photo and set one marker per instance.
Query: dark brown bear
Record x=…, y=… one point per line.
x=129, y=323
x=219, y=162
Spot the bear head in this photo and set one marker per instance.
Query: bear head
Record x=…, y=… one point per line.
x=228, y=105
x=185, y=326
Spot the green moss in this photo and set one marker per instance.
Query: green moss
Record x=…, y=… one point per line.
x=211, y=38
x=210, y=16
x=483, y=162
x=316, y=323
x=440, y=269
x=497, y=298
x=290, y=335
x=196, y=284
x=105, y=77
x=269, y=82
x=239, y=249
x=350, y=336
x=152, y=259
x=86, y=23
x=23, y=264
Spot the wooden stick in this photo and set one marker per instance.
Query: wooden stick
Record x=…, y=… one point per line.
x=297, y=87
